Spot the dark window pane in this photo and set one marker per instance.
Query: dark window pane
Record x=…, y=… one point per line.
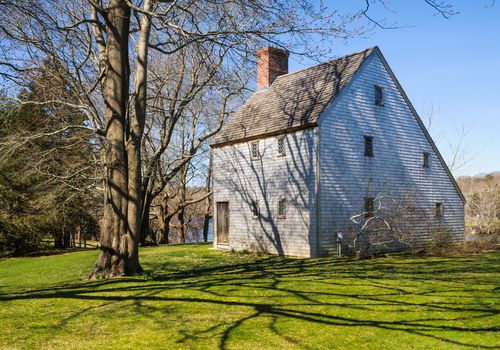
x=368, y=212
x=368, y=146
x=425, y=160
x=282, y=208
x=281, y=146
x=255, y=208
x=254, y=150
x=379, y=95
x=439, y=210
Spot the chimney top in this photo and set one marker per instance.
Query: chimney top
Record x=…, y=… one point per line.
x=271, y=63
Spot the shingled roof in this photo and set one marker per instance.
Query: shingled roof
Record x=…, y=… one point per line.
x=294, y=100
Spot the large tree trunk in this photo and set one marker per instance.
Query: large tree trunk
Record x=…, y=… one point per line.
x=164, y=219
x=136, y=126
x=182, y=228
x=119, y=254
x=207, y=216
x=166, y=230
x=146, y=209
x=182, y=200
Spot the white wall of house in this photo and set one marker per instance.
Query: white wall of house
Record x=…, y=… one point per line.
x=347, y=175
x=238, y=180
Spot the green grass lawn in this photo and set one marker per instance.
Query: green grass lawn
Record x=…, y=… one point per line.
x=197, y=298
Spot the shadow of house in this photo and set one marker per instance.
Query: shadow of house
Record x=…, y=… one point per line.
x=300, y=142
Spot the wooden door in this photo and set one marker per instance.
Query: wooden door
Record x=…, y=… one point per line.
x=222, y=222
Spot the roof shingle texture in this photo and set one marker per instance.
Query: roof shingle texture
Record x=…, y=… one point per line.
x=293, y=100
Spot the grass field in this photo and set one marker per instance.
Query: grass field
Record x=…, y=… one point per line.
x=197, y=298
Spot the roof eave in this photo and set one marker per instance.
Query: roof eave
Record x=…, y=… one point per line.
x=264, y=135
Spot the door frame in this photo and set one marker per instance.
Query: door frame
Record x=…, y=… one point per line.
x=224, y=244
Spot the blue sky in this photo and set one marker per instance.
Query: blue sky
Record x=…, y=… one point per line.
x=450, y=66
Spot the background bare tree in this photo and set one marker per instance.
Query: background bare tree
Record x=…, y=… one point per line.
x=482, y=210
x=104, y=49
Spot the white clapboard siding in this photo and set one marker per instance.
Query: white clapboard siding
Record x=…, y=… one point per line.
x=347, y=176
x=237, y=179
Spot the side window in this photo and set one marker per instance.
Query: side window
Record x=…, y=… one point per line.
x=439, y=210
x=368, y=146
x=281, y=146
x=368, y=211
x=379, y=95
x=425, y=160
x=282, y=208
x=254, y=150
x=254, y=206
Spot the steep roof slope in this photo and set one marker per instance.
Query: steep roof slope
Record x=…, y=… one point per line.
x=293, y=100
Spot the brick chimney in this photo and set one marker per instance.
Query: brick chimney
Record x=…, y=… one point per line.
x=271, y=63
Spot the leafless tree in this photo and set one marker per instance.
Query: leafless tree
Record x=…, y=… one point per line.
x=483, y=204
x=391, y=221
x=105, y=47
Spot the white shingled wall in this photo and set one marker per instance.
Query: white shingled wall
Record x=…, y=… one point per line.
x=238, y=180
x=347, y=176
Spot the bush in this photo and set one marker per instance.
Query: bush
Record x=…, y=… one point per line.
x=441, y=238
x=17, y=239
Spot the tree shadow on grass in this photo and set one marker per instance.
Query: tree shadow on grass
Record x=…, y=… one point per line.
x=427, y=298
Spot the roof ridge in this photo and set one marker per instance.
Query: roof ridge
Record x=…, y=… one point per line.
x=324, y=63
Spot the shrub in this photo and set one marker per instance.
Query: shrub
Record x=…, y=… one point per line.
x=440, y=238
x=17, y=239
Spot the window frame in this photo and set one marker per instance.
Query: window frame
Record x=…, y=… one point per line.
x=281, y=139
x=379, y=95
x=368, y=208
x=438, y=209
x=282, y=215
x=252, y=156
x=426, y=160
x=368, y=146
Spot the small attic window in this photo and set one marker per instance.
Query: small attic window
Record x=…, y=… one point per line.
x=254, y=150
x=425, y=160
x=379, y=95
x=281, y=146
x=368, y=146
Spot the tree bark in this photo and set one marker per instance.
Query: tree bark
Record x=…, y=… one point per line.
x=119, y=253
x=208, y=201
x=182, y=227
x=166, y=230
x=146, y=209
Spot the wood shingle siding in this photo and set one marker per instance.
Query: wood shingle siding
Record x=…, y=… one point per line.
x=239, y=180
x=347, y=177
x=324, y=176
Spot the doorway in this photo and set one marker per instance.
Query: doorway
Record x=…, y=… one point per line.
x=222, y=222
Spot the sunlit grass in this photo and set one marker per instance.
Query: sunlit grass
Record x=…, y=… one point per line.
x=193, y=297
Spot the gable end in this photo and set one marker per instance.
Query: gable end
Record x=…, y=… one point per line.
x=420, y=123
